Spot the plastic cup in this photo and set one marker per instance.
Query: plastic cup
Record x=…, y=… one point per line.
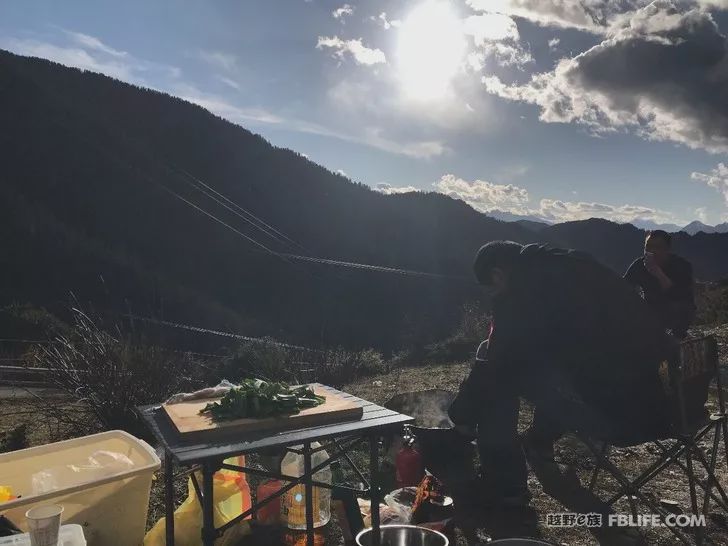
x=44, y=524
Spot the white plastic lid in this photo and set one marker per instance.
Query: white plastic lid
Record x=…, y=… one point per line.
x=71, y=535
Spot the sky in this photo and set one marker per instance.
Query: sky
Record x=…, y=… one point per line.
x=558, y=110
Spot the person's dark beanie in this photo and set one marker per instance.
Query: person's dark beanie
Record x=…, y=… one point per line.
x=660, y=234
x=494, y=254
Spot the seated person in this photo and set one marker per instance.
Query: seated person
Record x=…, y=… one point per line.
x=564, y=326
x=666, y=281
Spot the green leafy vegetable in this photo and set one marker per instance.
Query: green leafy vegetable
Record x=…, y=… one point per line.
x=255, y=398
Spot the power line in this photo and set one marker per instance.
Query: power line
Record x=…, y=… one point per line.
x=210, y=215
x=379, y=268
x=326, y=261
x=241, y=212
x=231, y=335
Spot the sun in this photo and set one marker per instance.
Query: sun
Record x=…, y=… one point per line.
x=430, y=50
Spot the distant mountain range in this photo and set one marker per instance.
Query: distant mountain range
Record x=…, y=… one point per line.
x=697, y=227
x=102, y=196
x=648, y=225
x=693, y=228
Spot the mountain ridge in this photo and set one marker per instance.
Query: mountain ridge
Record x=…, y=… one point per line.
x=95, y=186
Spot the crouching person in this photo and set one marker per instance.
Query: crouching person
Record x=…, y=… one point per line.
x=571, y=337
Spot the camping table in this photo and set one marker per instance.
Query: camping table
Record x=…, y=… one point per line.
x=336, y=438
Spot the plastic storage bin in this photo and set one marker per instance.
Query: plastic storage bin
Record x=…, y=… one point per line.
x=111, y=503
x=70, y=535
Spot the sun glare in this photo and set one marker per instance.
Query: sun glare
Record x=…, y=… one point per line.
x=430, y=50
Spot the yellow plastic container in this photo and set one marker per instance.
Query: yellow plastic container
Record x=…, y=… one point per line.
x=110, y=503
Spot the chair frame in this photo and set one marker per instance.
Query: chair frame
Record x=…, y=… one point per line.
x=684, y=443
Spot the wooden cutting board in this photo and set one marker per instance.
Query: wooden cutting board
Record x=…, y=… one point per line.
x=186, y=418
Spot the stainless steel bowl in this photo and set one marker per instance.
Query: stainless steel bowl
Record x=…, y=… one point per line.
x=404, y=535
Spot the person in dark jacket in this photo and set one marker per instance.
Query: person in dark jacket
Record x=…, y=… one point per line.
x=573, y=338
x=666, y=282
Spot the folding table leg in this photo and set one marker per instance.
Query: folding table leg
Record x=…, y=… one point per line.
x=208, y=523
x=374, y=488
x=168, y=498
x=308, y=488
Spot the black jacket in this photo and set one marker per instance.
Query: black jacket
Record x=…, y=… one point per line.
x=569, y=322
x=677, y=269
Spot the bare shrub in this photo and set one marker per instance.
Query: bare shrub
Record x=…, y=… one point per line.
x=277, y=363
x=340, y=366
x=260, y=360
x=107, y=376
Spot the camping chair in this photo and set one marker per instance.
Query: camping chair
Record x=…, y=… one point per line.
x=686, y=380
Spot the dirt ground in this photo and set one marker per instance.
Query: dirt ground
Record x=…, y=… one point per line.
x=573, y=467
x=567, y=479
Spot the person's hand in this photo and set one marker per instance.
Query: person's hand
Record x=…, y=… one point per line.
x=651, y=265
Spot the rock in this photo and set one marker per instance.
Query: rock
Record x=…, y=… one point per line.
x=671, y=506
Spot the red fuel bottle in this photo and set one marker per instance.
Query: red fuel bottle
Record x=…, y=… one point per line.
x=409, y=466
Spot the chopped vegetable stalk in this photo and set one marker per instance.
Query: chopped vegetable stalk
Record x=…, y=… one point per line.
x=255, y=398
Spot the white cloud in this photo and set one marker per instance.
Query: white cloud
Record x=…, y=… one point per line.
x=490, y=27
x=220, y=60
x=484, y=196
x=385, y=22
x=555, y=210
x=90, y=53
x=662, y=73
x=554, y=43
x=341, y=172
x=419, y=149
x=355, y=48
x=229, y=82
x=91, y=42
x=507, y=54
x=225, y=109
x=717, y=179
x=73, y=56
x=718, y=4
x=593, y=16
x=495, y=36
x=343, y=11
x=702, y=214
x=487, y=197
x=388, y=189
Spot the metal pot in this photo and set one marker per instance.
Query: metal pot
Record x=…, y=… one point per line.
x=519, y=542
x=447, y=454
x=404, y=535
